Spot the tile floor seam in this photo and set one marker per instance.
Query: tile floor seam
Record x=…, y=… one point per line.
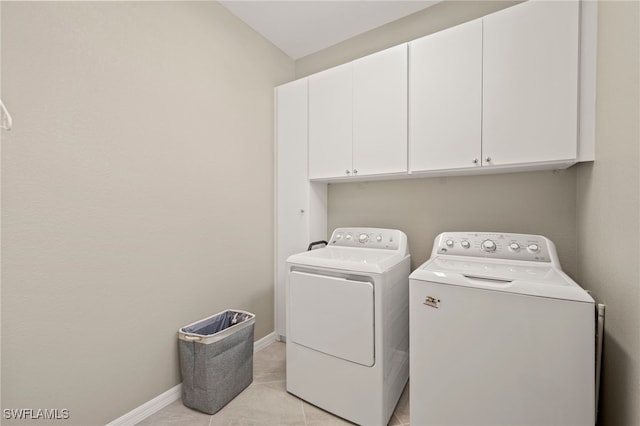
x=304, y=415
x=396, y=418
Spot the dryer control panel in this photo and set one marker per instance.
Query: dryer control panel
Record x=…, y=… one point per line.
x=390, y=239
x=535, y=248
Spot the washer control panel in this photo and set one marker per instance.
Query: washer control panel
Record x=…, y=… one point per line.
x=496, y=245
x=368, y=237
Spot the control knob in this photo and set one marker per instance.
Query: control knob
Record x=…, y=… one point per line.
x=363, y=238
x=488, y=246
x=449, y=243
x=379, y=238
x=533, y=248
x=465, y=244
x=515, y=247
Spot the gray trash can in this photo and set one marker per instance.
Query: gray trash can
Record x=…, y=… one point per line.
x=216, y=359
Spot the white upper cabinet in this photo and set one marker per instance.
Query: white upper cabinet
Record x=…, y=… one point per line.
x=380, y=113
x=499, y=92
x=358, y=117
x=530, y=83
x=445, y=99
x=330, y=122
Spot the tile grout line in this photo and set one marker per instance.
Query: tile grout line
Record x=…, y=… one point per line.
x=304, y=416
x=395, y=416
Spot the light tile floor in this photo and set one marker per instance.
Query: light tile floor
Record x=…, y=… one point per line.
x=264, y=402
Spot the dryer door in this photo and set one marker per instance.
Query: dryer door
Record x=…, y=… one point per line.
x=332, y=315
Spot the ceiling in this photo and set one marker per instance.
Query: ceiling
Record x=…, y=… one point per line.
x=302, y=27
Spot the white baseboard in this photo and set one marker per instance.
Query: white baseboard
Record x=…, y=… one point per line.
x=159, y=402
x=148, y=408
x=259, y=345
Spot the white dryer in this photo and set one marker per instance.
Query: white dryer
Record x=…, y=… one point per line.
x=347, y=324
x=499, y=335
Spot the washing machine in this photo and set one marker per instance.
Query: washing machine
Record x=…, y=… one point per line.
x=499, y=335
x=348, y=324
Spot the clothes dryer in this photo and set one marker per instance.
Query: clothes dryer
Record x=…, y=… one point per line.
x=499, y=335
x=347, y=324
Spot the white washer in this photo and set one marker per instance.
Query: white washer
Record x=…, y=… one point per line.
x=499, y=335
x=347, y=324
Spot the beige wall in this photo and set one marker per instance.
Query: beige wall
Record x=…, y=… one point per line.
x=608, y=210
x=535, y=203
x=591, y=211
x=137, y=194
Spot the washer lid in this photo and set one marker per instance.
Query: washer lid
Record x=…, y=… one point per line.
x=349, y=259
x=529, y=278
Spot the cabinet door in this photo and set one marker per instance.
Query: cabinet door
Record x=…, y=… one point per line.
x=530, y=78
x=292, y=186
x=445, y=99
x=330, y=123
x=380, y=112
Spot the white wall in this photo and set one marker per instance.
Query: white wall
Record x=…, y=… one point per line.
x=137, y=194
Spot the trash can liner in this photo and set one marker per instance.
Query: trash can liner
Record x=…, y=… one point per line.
x=216, y=323
x=216, y=359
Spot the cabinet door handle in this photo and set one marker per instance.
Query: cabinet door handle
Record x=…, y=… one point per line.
x=488, y=159
x=348, y=172
x=355, y=171
x=475, y=161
